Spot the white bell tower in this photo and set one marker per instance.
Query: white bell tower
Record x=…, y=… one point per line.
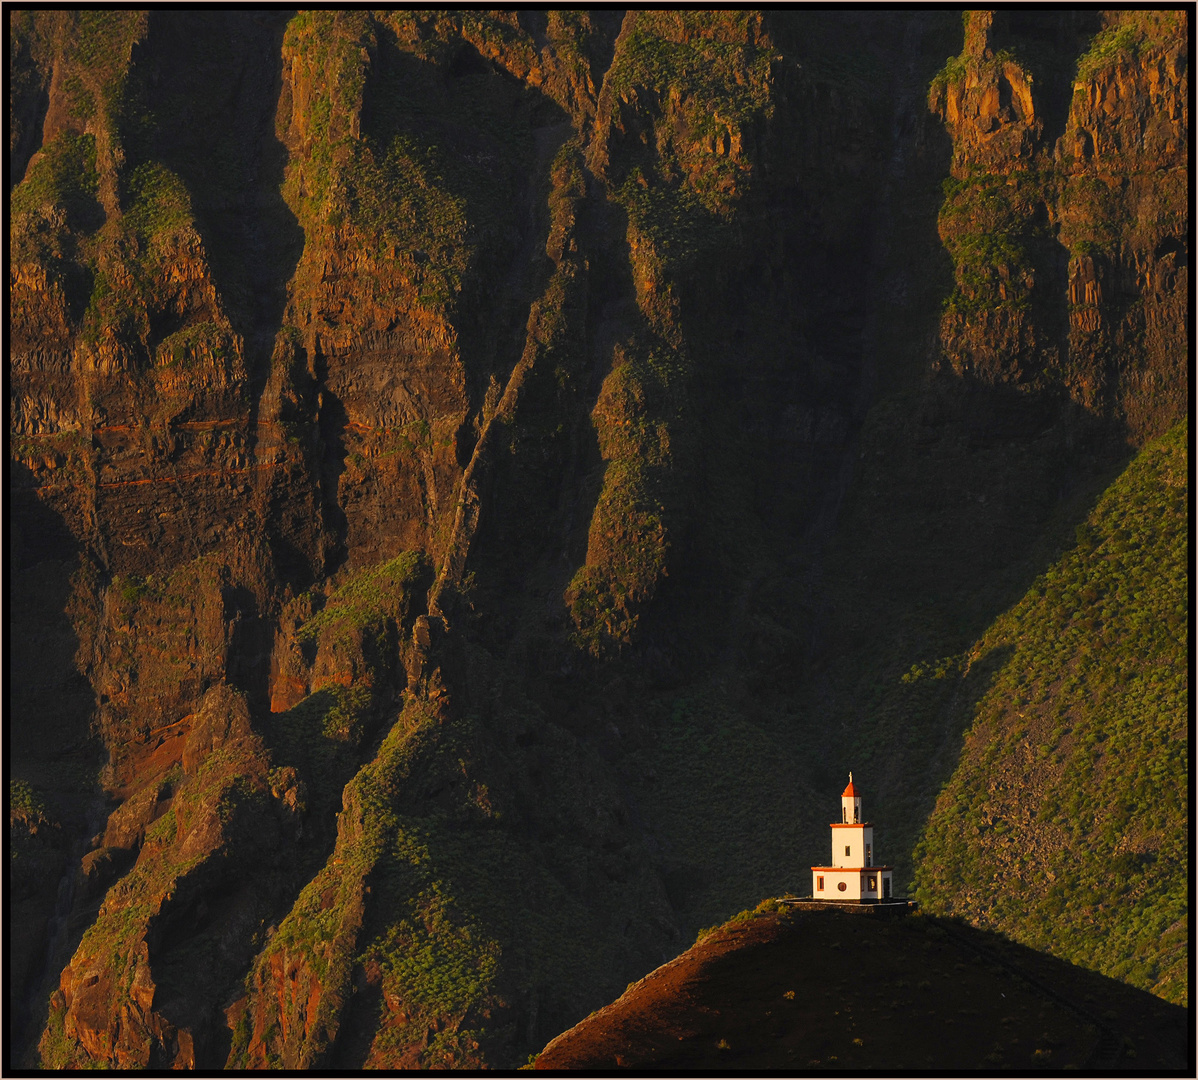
x=853, y=874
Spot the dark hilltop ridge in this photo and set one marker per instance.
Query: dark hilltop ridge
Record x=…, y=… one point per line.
x=478, y=480
x=800, y=990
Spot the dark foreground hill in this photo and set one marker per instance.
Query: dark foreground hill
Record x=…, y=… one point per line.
x=802, y=990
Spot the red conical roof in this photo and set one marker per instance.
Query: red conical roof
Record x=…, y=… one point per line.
x=850, y=792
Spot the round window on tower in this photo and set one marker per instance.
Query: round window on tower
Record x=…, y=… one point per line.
x=842, y=886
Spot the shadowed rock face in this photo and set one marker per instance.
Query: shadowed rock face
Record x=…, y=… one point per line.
x=467, y=468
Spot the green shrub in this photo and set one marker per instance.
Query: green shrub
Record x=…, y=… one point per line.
x=131, y=588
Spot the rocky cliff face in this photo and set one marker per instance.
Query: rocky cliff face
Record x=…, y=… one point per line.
x=1068, y=241
x=415, y=418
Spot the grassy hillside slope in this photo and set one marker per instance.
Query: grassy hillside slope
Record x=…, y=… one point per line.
x=1065, y=823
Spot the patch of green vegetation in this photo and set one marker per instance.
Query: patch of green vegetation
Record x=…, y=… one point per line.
x=345, y=720
x=102, y=37
x=605, y=596
x=66, y=452
x=26, y=808
x=57, y=1051
x=402, y=196
x=677, y=222
x=428, y=878
x=641, y=421
x=110, y=307
x=953, y=72
x=156, y=207
x=1064, y=825
x=370, y=597
x=701, y=54
x=82, y=102
x=65, y=176
x=421, y=168
x=194, y=345
x=947, y=668
x=990, y=227
x=704, y=79
x=1115, y=43
x=331, y=48
x=1124, y=39
x=434, y=954
x=157, y=201
x=1093, y=208
x=242, y=1032
x=96, y=49
x=132, y=588
x=226, y=789
x=766, y=907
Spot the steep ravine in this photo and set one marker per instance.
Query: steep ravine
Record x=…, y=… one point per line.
x=477, y=477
